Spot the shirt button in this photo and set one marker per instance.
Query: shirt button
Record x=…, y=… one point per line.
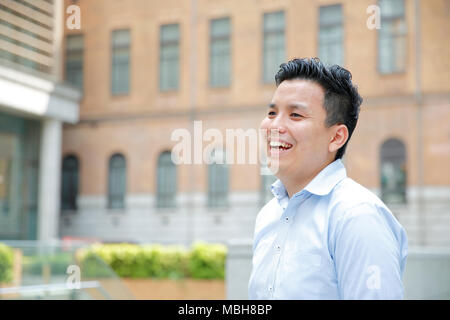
x=286, y=219
x=270, y=288
x=278, y=247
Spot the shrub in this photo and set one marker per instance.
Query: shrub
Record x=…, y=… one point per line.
x=6, y=263
x=92, y=266
x=162, y=262
x=207, y=261
x=154, y=261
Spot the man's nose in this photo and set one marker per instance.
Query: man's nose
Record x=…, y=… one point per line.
x=277, y=124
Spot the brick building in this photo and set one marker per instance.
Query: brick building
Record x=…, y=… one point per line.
x=147, y=68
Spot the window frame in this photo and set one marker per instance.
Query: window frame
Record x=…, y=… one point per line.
x=329, y=25
x=214, y=40
x=110, y=199
x=266, y=33
x=399, y=160
x=165, y=44
x=73, y=205
x=217, y=190
x=162, y=202
x=391, y=19
x=74, y=51
x=114, y=48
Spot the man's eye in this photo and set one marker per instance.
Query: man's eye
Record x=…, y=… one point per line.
x=271, y=113
x=296, y=115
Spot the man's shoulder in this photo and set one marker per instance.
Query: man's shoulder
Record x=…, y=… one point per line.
x=349, y=194
x=355, y=205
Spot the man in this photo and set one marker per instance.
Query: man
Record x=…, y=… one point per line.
x=322, y=236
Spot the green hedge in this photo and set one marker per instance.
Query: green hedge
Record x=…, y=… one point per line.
x=207, y=261
x=201, y=261
x=6, y=263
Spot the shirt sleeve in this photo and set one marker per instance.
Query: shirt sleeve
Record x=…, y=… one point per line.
x=367, y=257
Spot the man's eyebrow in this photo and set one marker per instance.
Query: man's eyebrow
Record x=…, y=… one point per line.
x=295, y=105
x=299, y=106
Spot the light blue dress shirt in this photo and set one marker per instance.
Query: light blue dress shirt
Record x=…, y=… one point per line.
x=332, y=240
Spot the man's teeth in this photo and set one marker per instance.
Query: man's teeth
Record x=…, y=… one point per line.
x=277, y=144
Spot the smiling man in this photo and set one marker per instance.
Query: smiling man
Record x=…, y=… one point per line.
x=323, y=235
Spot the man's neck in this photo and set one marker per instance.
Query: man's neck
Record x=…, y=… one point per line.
x=298, y=183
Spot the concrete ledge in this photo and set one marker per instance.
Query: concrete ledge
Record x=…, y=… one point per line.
x=30, y=95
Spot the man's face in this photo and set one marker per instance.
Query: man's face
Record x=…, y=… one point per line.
x=297, y=114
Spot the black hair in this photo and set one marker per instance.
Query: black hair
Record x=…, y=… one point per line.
x=341, y=100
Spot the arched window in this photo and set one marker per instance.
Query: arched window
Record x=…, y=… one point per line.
x=217, y=180
x=117, y=181
x=69, y=184
x=166, y=185
x=393, y=171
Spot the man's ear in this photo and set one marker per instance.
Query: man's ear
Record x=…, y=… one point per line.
x=338, y=138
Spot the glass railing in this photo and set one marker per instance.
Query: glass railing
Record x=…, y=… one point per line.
x=55, y=271
x=427, y=274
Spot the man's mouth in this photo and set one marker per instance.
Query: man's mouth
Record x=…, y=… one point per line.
x=278, y=147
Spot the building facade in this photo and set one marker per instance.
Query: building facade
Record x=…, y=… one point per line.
x=148, y=69
x=33, y=105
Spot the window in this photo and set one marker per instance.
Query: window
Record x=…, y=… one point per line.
x=166, y=181
x=331, y=35
x=217, y=180
x=219, y=69
x=169, y=57
x=117, y=182
x=69, y=187
x=274, y=45
x=392, y=36
x=74, y=60
x=393, y=171
x=266, y=192
x=120, y=71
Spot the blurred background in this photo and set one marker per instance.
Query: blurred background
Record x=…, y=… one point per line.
x=91, y=91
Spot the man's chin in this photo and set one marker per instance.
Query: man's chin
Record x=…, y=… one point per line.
x=276, y=166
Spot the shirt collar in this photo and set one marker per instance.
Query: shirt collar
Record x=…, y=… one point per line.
x=321, y=185
x=278, y=190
